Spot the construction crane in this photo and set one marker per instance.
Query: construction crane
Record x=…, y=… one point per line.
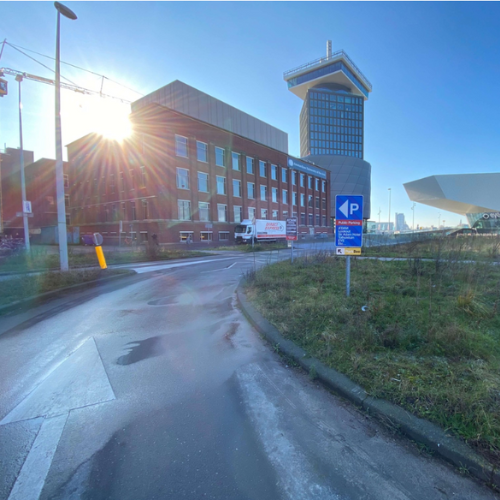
x=64, y=85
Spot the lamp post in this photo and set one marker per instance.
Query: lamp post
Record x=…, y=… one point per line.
x=61, y=207
x=390, y=192
x=413, y=210
x=19, y=79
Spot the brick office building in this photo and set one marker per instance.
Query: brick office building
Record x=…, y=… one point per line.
x=179, y=175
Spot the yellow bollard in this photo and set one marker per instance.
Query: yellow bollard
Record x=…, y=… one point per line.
x=100, y=257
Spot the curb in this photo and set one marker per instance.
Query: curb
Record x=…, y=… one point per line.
x=23, y=302
x=433, y=437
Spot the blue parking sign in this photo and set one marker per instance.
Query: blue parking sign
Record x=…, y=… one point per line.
x=348, y=221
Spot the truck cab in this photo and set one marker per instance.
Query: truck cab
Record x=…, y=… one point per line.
x=244, y=232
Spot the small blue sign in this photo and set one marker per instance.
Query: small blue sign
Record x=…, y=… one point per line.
x=348, y=221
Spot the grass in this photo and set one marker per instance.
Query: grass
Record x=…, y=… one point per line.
x=429, y=339
x=41, y=259
x=28, y=286
x=484, y=248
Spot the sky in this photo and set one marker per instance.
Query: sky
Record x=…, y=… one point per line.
x=434, y=67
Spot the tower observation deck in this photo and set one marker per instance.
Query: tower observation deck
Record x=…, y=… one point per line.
x=334, y=91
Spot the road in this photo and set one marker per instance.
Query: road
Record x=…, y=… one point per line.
x=156, y=387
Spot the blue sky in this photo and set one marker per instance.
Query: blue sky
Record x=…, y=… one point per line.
x=434, y=69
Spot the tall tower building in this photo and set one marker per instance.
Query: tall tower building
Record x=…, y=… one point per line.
x=334, y=92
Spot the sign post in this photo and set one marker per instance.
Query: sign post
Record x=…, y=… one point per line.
x=348, y=230
x=291, y=231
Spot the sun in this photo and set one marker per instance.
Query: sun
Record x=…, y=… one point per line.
x=112, y=121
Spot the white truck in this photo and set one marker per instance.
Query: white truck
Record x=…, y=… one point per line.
x=260, y=230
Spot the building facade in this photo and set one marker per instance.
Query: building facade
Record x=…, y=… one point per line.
x=179, y=176
x=334, y=91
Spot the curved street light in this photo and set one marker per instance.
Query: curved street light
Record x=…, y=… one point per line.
x=61, y=207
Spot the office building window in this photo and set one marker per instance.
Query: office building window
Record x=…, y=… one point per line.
x=143, y=176
x=206, y=235
x=285, y=214
x=323, y=221
x=221, y=185
x=323, y=203
x=132, y=206
x=238, y=213
x=181, y=146
x=262, y=168
x=317, y=202
x=263, y=193
x=302, y=200
x=249, y=165
x=275, y=215
x=294, y=198
x=201, y=151
x=186, y=236
x=124, y=211
x=316, y=184
x=220, y=157
x=323, y=186
x=309, y=182
x=310, y=201
x=274, y=172
x=182, y=178
x=285, y=196
x=203, y=211
x=222, y=213
x=251, y=190
x=301, y=180
x=294, y=177
x=251, y=213
x=223, y=235
x=237, y=188
x=284, y=175
x=310, y=219
x=112, y=183
x=202, y=182
x=263, y=213
x=303, y=219
x=66, y=181
x=132, y=180
x=274, y=195
x=145, y=214
x=184, y=207
x=122, y=181
x=235, y=160
x=317, y=219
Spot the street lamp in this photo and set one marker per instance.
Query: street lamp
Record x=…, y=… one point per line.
x=61, y=207
x=390, y=192
x=413, y=210
x=19, y=79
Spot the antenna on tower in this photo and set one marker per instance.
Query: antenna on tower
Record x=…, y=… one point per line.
x=328, y=48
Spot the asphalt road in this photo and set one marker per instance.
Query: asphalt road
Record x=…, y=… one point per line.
x=156, y=387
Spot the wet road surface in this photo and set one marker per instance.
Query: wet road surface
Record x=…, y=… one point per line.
x=157, y=388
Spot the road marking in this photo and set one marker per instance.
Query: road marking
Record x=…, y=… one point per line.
x=150, y=269
x=31, y=479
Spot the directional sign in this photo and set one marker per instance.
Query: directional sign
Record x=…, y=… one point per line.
x=291, y=229
x=348, y=223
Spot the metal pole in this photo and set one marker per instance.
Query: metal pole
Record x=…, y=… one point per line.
x=21, y=164
x=61, y=207
x=292, y=251
x=348, y=276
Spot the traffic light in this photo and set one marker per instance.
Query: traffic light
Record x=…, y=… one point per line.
x=3, y=87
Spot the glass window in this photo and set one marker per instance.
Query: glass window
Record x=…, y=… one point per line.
x=294, y=177
x=221, y=185
x=262, y=168
x=145, y=209
x=143, y=176
x=263, y=192
x=310, y=221
x=223, y=235
x=274, y=195
x=222, y=213
x=275, y=215
x=220, y=157
x=283, y=175
x=317, y=202
x=285, y=214
x=202, y=182
x=310, y=201
x=294, y=198
x=237, y=188
x=236, y=160
x=317, y=219
x=206, y=235
x=274, y=172
x=316, y=184
x=251, y=190
x=323, y=186
x=203, y=211
x=201, y=151
x=184, y=207
x=303, y=219
x=249, y=165
x=301, y=180
x=285, y=196
x=251, y=213
x=309, y=182
x=302, y=199
x=263, y=213
x=238, y=214
x=182, y=178
x=323, y=203
x=181, y=148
